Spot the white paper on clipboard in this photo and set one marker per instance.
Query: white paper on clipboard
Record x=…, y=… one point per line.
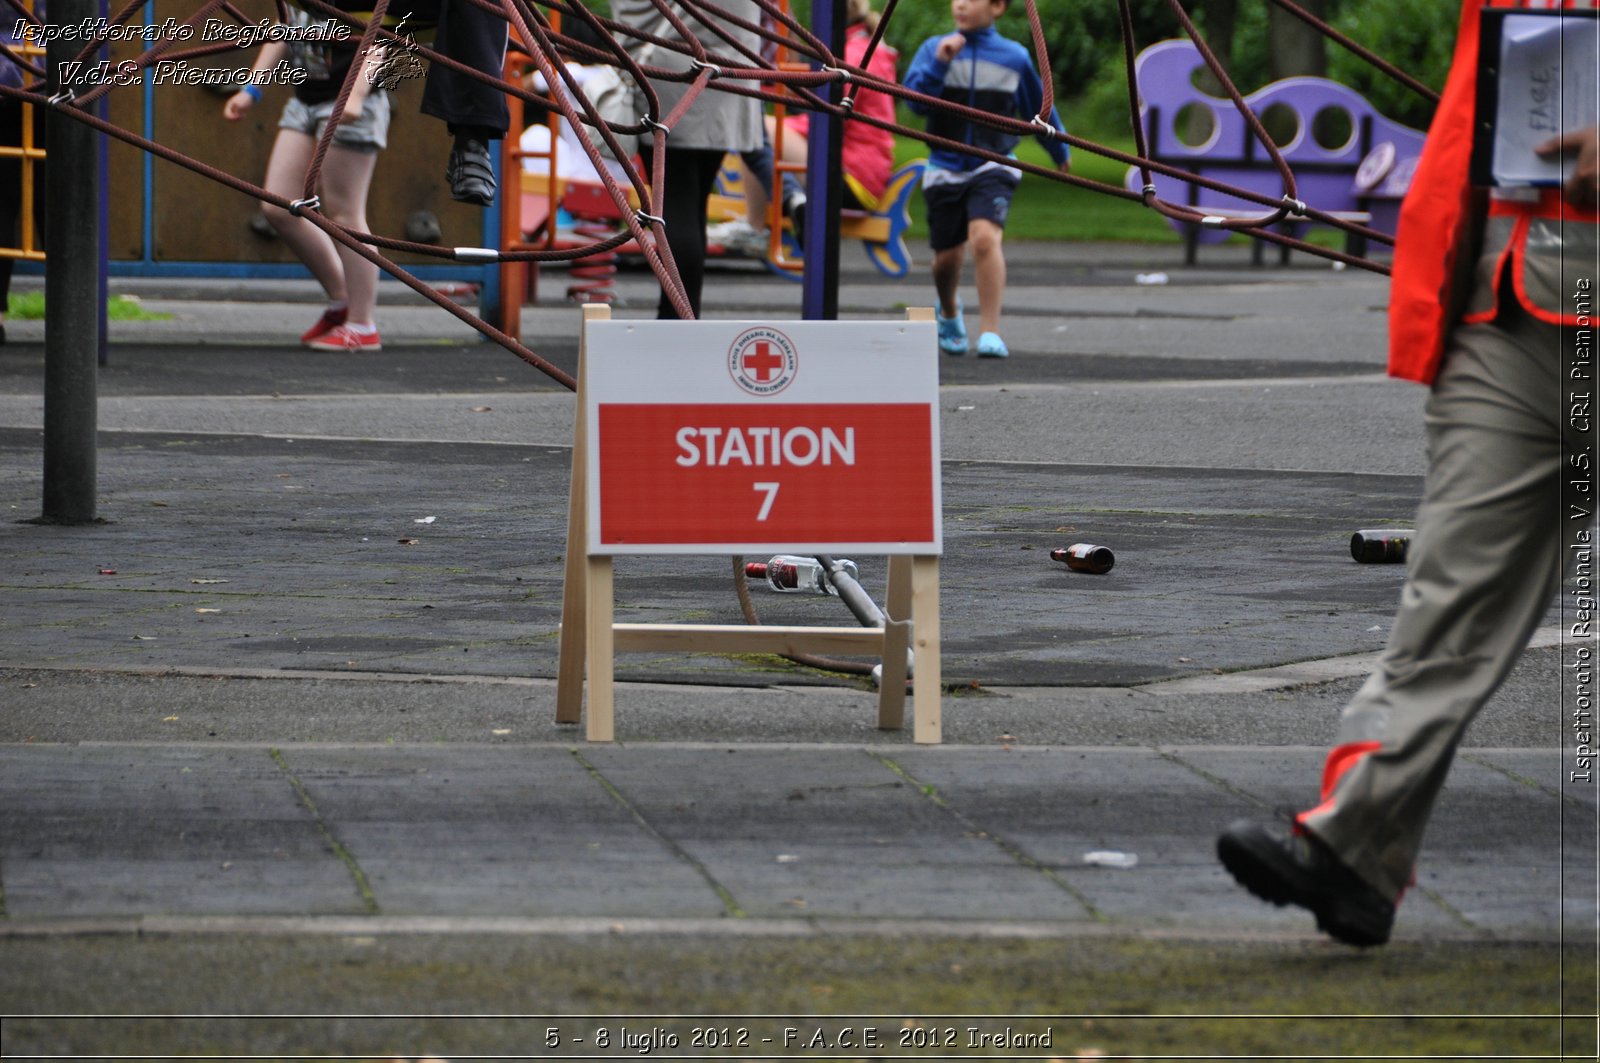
x=1548, y=86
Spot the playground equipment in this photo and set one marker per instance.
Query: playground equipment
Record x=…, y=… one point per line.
x=881, y=232
x=1350, y=162
x=826, y=86
x=556, y=212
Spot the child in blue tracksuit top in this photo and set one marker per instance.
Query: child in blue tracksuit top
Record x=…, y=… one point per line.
x=968, y=197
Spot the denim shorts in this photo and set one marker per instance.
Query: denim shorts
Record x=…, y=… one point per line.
x=951, y=205
x=368, y=131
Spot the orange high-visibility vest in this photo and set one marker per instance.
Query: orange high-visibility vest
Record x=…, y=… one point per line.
x=1436, y=217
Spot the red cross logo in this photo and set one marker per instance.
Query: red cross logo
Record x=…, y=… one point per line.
x=763, y=363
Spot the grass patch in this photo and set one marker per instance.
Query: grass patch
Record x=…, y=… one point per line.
x=1117, y=997
x=29, y=306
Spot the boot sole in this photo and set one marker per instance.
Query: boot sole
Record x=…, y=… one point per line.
x=1253, y=872
x=1261, y=874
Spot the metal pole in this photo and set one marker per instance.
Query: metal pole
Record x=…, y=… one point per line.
x=73, y=305
x=854, y=596
x=102, y=109
x=860, y=603
x=824, y=178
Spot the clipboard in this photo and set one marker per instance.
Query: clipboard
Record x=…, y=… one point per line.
x=1537, y=73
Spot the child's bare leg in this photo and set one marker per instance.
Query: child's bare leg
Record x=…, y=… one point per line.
x=346, y=177
x=756, y=203
x=989, y=263
x=286, y=174
x=947, y=277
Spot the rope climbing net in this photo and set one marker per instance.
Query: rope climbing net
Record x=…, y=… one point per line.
x=719, y=59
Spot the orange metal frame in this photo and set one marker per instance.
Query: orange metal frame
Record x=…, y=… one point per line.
x=517, y=279
x=30, y=154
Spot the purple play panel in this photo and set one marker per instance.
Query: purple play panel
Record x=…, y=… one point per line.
x=1369, y=172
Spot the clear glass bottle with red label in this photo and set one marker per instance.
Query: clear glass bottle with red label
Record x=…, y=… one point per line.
x=793, y=574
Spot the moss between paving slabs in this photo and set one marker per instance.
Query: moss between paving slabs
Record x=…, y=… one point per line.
x=1120, y=997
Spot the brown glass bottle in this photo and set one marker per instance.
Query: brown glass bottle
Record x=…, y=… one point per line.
x=1084, y=557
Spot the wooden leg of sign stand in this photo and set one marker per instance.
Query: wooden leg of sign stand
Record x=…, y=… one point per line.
x=896, y=641
x=925, y=683
x=569, y=660
x=602, y=648
x=574, y=599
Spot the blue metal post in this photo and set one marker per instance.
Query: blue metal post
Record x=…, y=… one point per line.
x=824, y=179
x=489, y=293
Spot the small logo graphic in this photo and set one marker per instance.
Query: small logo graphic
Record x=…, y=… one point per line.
x=390, y=65
x=762, y=361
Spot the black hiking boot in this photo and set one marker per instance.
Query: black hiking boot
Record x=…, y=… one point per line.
x=1299, y=869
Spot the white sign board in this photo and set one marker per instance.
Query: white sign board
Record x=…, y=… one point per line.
x=756, y=437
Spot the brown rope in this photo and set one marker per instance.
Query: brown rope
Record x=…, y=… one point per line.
x=145, y=59
x=356, y=69
x=118, y=19
x=746, y=76
x=1042, y=60
x=333, y=229
x=872, y=48
x=1257, y=130
x=1365, y=53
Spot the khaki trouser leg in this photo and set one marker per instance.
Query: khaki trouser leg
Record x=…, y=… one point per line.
x=1484, y=564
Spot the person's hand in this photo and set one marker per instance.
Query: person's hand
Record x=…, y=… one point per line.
x=948, y=47
x=1583, y=187
x=1064, y=166
x=237, y=105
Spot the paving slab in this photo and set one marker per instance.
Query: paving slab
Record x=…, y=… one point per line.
x=141, y=830
x=832, y=832
x=673, y=831
x=1058, y=806
x=462, y=830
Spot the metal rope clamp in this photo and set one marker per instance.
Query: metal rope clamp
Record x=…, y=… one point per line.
x=649, y=219
x=701, y=64
x=64, y=96
x=649, y=122
x=1297, y=207
x=846, y=102
x=314, y=203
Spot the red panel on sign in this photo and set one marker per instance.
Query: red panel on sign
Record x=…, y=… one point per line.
x=798, y=473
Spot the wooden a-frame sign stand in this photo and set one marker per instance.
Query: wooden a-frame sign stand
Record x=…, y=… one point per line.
x=590, y=638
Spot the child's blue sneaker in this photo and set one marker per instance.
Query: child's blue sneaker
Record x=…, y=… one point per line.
x=990, y=345
x=952, y=331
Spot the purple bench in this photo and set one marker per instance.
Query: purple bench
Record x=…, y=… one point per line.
x=1361, y=180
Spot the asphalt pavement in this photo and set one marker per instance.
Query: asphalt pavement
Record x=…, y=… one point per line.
x=297, y=682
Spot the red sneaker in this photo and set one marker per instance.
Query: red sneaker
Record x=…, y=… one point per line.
x=345, y=338
x=330, y=320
